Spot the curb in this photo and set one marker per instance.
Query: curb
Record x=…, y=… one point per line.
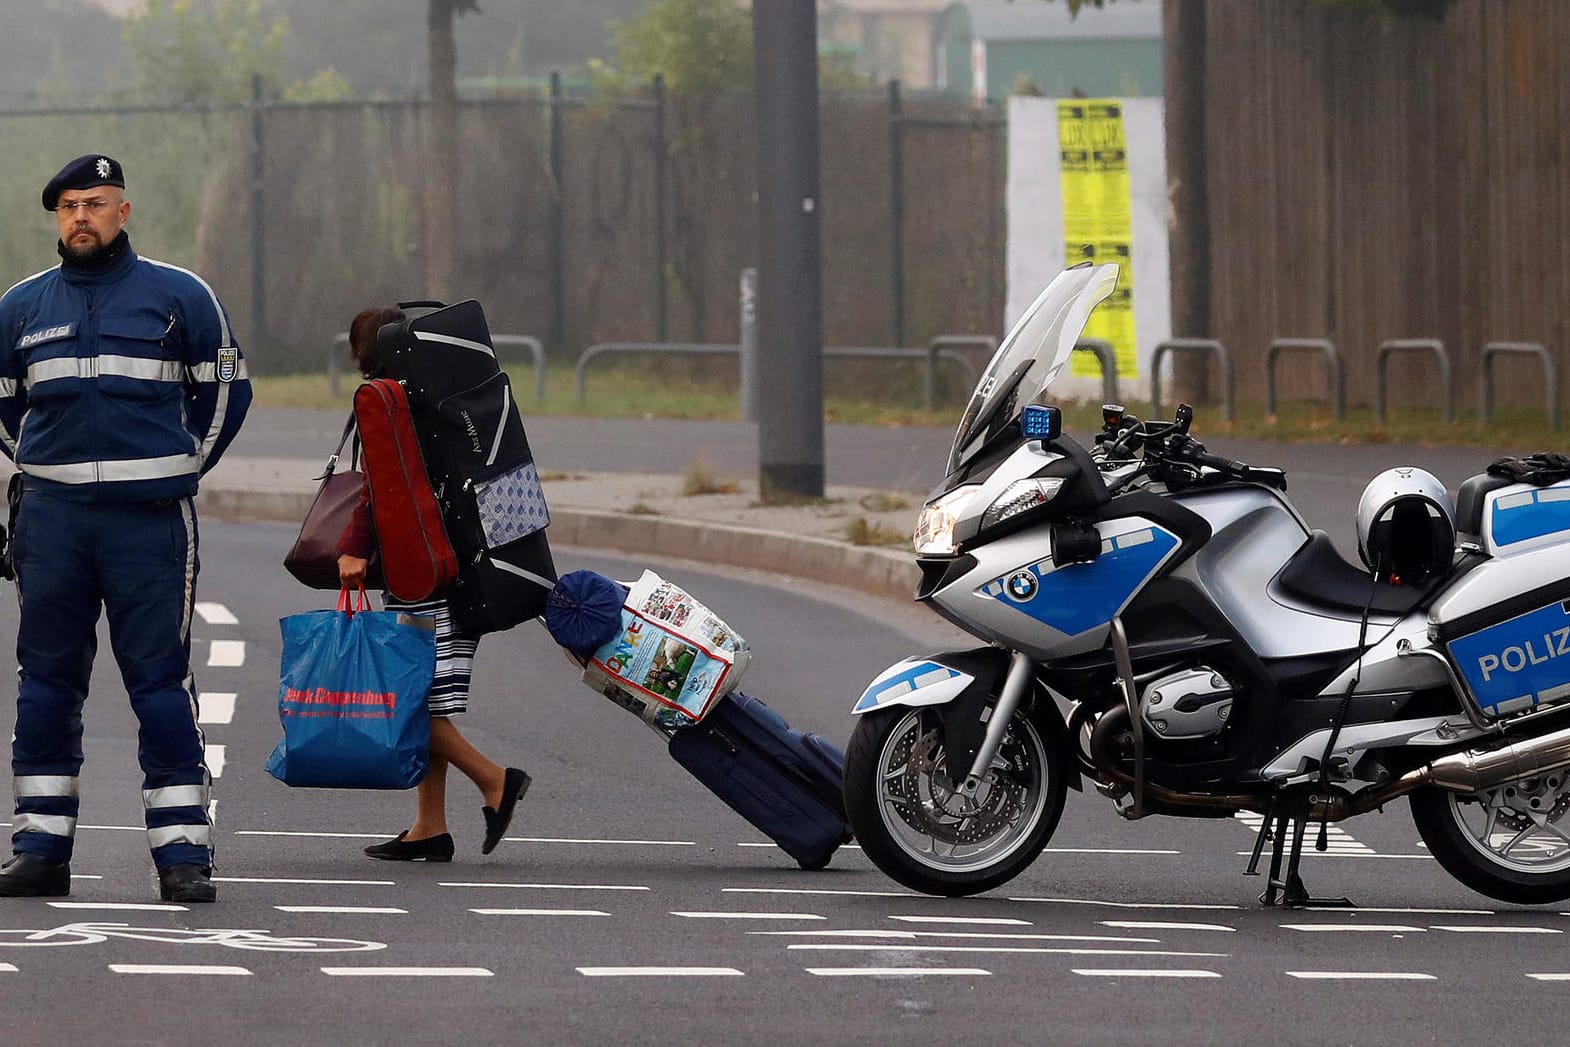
x=876, y=572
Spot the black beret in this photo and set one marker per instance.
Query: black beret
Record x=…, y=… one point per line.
x=84, y=172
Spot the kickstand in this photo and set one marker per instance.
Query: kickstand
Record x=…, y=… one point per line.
x=1290, y=893
x=1259, y=841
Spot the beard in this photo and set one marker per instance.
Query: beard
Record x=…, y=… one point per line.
x=84, y=249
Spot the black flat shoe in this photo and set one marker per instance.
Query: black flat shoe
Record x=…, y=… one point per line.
x=398, y=849
x=29, y=876
x=496, y=820
x=187, y=883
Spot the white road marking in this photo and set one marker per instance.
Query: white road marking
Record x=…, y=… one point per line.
x=988, y=936
x=215, y=760
x=318, y=883
x=1410, y=912
x=1156, y=925
x=1126, y=905
x=365, y=910
x=655, y=972
x=1378, y=928
x=538, y=912
x=906, y=947
x=330, y=836
x=1339, y=842
x=1308, y=851
x=119, y=906
x=215, y=614
x=1501, y=930
x=85, y=876
x=115, y=828
x=843, y=846
x=215, y=707
x=748, y=915
x=551, y=886
x=807, y=890
x=7, y=968
x=1534, y=977
x=407, y=972
x=977, y=920
x=1136, y=972
x=624, y=843
x=1362, y=976
x=1105, y=850
x=226, y=653
x=894, y=972
x=175, y=968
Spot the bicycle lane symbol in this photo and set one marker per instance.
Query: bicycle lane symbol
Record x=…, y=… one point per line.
x=251, y=939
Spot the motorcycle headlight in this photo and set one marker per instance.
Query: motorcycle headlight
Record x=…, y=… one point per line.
x=935, y=526
x=1019, y=497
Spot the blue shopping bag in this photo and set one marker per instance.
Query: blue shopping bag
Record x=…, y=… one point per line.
x=351, y=697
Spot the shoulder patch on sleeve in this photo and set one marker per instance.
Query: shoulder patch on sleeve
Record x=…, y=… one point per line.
x=228, y=363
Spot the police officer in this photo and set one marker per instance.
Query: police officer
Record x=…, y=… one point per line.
x=120, y=385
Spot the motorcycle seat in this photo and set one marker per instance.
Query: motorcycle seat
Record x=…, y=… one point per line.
x=1318, y=575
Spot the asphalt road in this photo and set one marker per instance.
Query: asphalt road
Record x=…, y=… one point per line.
x=628, y=905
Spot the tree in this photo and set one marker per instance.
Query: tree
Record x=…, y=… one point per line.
x=205, y=51
x=441, y=204
x=698, y=46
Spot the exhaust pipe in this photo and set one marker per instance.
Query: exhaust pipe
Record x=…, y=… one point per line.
x=1482, y=769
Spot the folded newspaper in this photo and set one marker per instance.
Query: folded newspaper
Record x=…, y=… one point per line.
x=671, y=659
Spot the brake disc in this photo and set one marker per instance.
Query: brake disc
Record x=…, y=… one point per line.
x=928, y=801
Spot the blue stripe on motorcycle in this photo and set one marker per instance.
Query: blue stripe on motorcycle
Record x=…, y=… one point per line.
x=904, y=683
x=1079, y=597
x=1531, y=514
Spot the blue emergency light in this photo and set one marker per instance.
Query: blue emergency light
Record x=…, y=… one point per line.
x=1039, y=422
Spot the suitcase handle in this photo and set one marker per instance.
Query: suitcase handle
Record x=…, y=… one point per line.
x=423, y=303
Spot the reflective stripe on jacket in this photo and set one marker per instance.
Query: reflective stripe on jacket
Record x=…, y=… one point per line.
x=121, y=385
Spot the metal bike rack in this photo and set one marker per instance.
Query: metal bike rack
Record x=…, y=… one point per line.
x=1334, y=377
x=721, y=348
x=1407, y=345
x=499, y=341
x=1107, y=357
x=1204, y=345
x=1550, y=376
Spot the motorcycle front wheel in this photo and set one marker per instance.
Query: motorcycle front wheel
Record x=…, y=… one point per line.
x=1511, y=842
x=904, y=806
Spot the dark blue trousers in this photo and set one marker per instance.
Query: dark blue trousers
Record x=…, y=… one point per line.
x=137, y=561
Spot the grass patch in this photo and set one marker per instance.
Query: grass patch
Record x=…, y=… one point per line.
x=882, y=502
x=642, y=509
x=860, y=531
x=640, y=388
x=700, y=479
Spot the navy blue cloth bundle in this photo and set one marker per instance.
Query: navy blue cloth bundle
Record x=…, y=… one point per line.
x=583, y=611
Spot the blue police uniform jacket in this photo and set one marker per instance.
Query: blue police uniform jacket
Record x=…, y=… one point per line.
x=118, y=385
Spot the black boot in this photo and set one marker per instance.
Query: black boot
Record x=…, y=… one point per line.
x=187, y=883
x=29, y=876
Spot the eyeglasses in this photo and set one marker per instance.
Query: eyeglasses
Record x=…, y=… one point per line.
x=94, y=206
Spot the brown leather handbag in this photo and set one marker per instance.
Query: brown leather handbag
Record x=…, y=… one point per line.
x=313, y=559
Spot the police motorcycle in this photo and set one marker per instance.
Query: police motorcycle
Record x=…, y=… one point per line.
x=1161, y=622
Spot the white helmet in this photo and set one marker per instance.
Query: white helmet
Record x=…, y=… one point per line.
x=1406, y=526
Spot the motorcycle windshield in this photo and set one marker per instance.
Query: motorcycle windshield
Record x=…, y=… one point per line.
x=1031, y=357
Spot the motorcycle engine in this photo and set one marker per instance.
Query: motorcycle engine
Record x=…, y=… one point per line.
x=1193, y=703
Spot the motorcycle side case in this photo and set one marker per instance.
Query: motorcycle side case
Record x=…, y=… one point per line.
x=1506, y=628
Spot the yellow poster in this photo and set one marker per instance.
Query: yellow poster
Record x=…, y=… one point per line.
x=1097, y=225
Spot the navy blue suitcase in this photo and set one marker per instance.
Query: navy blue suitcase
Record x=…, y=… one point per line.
x=786, y=783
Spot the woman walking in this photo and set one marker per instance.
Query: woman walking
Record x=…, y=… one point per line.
x=428, y=839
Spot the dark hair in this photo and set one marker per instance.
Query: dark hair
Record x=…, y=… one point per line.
x=362, y=337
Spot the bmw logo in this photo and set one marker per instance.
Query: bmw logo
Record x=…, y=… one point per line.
x=1021, y=586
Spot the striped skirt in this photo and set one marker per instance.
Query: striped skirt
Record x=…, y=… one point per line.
x=454, y=655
